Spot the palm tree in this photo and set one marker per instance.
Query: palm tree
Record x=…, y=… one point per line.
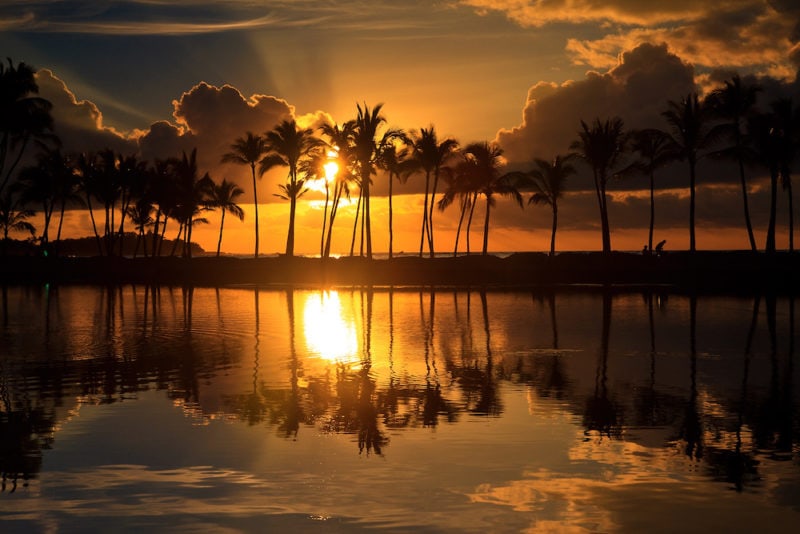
x=395, y=161
x=548, y=180
x=733, y=103
x=365, y=145
x=483, y=162
x=42, y=184
x=223, y=196
x=340, y=142
x=652, y=146
x=193, y=196
x=691, y=134
x=431, y=156
x=23, y=116
x=141, y=215
x=13, y=218
x=287, y=145
x=601, y=146
x=459, y=186
x=248, y=150
x=787, y=118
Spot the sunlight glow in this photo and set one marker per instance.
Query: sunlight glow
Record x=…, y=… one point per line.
x=327, y=332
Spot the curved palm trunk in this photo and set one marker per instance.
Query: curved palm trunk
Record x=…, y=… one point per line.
x=391, y=230
x=692, y=180
x=255, y=203
x=337, y=195
x=365, y=172
x=60, y=226
x=469, y=220
x=425, y=230
x=745, y=203
x=652, y=212
x=791, y=214
x=553, y=235
x=290, y=235
x=94, y=225
x=486, y=226
x=430, y=211
x=460, y=223
x=324, y=221
x=355, y=223
x=773, y=201
x=221, y=224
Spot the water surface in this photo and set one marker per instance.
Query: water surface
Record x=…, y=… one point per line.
x=242, y=409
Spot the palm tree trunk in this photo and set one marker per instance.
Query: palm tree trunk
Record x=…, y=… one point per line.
x=355, y=223
x=791, y=214
x=60, y=225
x=430, y=211
x=553, y=235
x=652, y=212
x=469, y=221
x=367, y=221
x=424, y=232
x=94, y=224
x=391, y=231
x=692, y=242
x=486, y=226
x=773, y=204
x=221, y=224
x=745, y=203
x=290, y=234
x=324, y=221
x=604, y=226
x=255, y=203
x=337, y=195
x=177, y=239
x=460, y=223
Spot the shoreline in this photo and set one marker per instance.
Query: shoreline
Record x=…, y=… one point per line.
x=712, y=271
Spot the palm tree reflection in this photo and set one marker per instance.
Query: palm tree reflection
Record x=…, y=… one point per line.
x=602, y=412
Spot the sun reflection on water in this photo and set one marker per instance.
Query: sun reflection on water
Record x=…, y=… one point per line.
x=328, y=333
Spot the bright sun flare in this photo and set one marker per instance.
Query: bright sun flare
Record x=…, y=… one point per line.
x=326, y=330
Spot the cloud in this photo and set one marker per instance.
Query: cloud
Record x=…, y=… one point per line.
x=759, y=35
x=79, y=123
x=210, y=119
x=636, y=90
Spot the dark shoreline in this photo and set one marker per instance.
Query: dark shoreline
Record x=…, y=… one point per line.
x=737, y=272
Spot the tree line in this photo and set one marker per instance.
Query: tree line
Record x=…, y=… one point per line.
x=119, y=190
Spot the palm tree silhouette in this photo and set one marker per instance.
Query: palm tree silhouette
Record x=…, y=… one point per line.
x=652, y=147
x=691, y=134
x=223, y=196
x=764, y=130
x=601, y=146
x=482, y=164
x=548, y=180
x=288, y=145
x=366, y=148
x=141, y=215
x=193, y=196
x=44, y=184
x=13, y=217
x=23, y=116
x=787, y=118
x=430, y=155
x=397, y=164
x=248, y=150
x=340, y=142
x=459, y=186
x=734, y=102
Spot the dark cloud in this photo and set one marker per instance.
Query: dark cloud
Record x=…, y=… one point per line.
x=79, y=123
x=636, y=90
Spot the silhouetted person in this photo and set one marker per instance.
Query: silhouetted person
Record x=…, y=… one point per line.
x=660, y=247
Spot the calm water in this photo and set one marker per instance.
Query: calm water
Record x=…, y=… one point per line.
x=435, y=411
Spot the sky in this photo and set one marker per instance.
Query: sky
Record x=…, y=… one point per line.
x=158, y=77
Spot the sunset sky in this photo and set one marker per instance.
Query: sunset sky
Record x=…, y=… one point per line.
x=158, y=77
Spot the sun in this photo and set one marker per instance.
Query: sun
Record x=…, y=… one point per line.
x=327, y=332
